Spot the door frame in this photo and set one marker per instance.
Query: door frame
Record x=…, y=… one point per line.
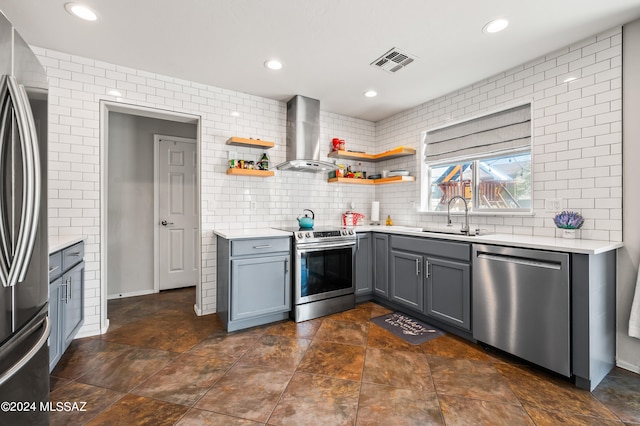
x=156, y=203
x=107, y=107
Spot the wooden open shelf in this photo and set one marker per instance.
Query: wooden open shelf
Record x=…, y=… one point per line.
x=251, y=143
x=401, y=151
x=394, y=179
x=249, y=172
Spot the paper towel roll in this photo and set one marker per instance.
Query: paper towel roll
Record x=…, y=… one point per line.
x=375, y=211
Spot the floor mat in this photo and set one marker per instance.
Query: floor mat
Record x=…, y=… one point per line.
x=407, y=328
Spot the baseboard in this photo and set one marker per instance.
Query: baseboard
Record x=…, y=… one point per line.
x=131, y=294
x=628, y=366
x=207, y=312
x=106, y=327
x=86, y=333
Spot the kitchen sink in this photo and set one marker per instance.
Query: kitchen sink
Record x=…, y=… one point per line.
x=451, y=232
x=444, y=231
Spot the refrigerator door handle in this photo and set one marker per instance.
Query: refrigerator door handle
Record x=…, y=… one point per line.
x=27, y=357
x=5, y=121
x=17, y=250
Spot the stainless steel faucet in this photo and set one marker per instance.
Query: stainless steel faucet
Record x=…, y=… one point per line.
x=465, y=228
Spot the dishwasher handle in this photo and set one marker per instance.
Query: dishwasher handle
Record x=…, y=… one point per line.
x=521, y=261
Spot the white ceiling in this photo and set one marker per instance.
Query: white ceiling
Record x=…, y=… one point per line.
x=326, y=45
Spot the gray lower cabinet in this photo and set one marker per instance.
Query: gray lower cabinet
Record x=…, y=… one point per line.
x=381, y=265
x=432, y=277
x=254, y=281
x=66, y=299
x=364, y=267
x=258, y=286
x=407, y=286
x=448, y=295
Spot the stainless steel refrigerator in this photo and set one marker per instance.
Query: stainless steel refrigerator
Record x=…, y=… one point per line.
x=24, y=257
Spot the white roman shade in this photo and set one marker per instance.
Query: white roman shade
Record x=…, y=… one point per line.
x=502, y=131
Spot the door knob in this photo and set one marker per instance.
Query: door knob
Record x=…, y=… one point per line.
x=165, y=223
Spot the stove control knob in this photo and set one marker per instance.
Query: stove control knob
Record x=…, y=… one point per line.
x=308, y=235
x=299, y=235
x=350, y=231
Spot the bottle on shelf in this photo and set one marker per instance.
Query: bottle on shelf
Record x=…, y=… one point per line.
x=264, y=162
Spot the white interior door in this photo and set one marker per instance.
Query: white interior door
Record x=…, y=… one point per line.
x=177, y=213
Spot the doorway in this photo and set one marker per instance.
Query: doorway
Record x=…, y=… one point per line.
x=128, y=265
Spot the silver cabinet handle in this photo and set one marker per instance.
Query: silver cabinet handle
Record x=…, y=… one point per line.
x=417, y=266
x=426, y=268
x=264, y=246
x=67, y=290
x=74, y=254
x=54, y=268
x=27, y=357
x=286, y=266
x=165, y=223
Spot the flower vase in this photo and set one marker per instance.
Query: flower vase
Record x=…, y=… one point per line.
x=569, y=233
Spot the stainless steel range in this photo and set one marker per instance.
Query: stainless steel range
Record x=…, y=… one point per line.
x=324, y=277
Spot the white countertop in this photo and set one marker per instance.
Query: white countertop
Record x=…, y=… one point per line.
x=63, y=241
x=513, y=240
x=234, y=234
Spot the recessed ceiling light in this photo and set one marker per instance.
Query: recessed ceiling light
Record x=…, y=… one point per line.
x=114, y=92
x=569, y=79
x=495, y=26
x=370, y=93
x=235, y=114
x=273, y=64
x=81, y=11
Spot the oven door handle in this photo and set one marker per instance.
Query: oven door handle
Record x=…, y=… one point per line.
x=321, y=246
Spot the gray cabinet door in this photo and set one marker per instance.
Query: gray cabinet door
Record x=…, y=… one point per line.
x=448, y=295
x=364, y=271
x=73, y=304
x=260, y=286
x=381, y=269
x=56, y=299
x=406, y=286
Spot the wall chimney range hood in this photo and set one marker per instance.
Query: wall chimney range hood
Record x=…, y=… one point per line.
x=303, y=137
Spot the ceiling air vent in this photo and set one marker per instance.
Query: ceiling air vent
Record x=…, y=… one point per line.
x=394, y=60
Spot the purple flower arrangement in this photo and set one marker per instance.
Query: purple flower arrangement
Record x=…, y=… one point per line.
x=568, y=220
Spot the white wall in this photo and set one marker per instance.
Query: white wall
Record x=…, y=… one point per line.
x=577, y=143
x=130, y=200
x=628, y=350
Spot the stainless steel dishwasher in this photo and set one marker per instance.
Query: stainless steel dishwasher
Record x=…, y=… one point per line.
x=521, y=304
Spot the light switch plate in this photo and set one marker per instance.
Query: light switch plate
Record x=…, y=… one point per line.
x=553, y=205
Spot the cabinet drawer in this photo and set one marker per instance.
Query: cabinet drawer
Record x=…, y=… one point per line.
x=450, y=249
x=72, y=255
x=259, y=246
x=55, y=265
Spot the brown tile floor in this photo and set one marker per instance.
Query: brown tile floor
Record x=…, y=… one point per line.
x=159, y=364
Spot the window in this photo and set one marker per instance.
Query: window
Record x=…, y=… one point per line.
x=486, y=161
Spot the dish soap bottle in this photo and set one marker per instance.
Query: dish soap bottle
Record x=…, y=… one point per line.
x=388, y=222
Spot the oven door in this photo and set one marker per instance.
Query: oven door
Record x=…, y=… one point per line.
x=324, y=270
